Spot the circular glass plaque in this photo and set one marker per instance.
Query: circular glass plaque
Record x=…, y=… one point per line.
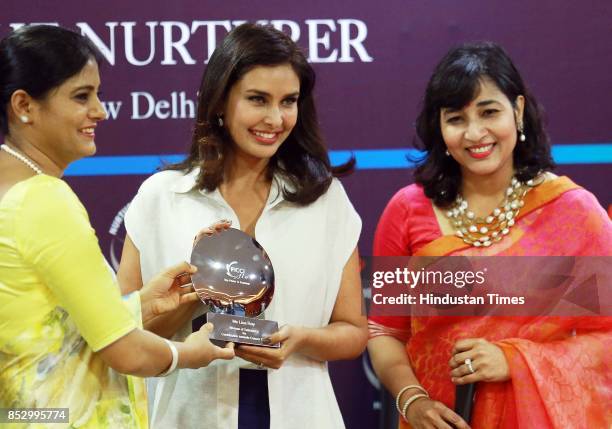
x=235, y=275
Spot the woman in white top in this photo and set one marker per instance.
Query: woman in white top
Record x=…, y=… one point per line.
x=257, y=160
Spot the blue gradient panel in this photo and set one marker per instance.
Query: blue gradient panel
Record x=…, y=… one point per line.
x=583, y=153
x=374, y=159
x=120, y=165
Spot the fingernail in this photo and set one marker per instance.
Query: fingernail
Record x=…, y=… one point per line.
x=266, y=340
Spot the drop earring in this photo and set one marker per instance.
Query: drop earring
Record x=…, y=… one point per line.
x=521, y=133
x=447, y=152
x=220, y=120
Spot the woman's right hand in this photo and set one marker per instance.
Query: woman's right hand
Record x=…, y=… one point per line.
x=197, y=350
x=425, y=413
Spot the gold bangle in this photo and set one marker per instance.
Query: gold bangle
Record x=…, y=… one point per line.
x=401, y=392
x=410, y=401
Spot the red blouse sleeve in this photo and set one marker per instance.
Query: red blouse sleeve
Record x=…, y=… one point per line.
x=392, y=239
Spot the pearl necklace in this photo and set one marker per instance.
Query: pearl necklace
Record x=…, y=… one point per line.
x=21, y=157
x=477, y=231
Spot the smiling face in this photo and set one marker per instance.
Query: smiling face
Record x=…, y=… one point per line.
x=261, y=110
x=65, y=120
x=482, y=135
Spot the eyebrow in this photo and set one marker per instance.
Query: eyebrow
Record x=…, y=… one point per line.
x=265, y=94
x=449, y=110
x=487, y=102
x=88, y=87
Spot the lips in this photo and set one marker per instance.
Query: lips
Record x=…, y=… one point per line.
x=480, y=151
x=265, y=137
x=88, y=131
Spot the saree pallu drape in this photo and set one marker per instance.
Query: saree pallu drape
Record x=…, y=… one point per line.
x=561, y=367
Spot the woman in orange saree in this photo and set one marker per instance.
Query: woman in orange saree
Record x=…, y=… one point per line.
x=531, y=372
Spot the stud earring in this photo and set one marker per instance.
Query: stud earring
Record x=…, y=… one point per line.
x=447, y=152
x=24, y=119
x=220, y=120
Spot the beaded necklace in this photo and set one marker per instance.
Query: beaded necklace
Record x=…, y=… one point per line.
x=484, y=231
x=21, y=157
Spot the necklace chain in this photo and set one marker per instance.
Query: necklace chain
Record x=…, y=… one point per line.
x=484, y=231
x=21, y=157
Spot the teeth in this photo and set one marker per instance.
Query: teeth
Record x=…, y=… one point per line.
x=264, y=135
x=481, y=149
x=88, y=130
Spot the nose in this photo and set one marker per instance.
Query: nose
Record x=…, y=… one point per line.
x=475, y=131
x=274, y=117
x=97, y=111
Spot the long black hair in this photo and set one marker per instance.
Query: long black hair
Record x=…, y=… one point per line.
x=302, y=159
x=454, y=83
x=37, y=59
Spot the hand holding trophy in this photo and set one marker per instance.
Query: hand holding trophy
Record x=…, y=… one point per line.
x=235, y=279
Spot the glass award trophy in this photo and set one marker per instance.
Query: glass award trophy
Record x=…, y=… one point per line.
x=235, y=279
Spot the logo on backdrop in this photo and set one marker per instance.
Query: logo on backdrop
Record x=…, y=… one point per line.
x=117, y=233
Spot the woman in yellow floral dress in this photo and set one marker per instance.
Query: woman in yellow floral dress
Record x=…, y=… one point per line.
x=66, y=334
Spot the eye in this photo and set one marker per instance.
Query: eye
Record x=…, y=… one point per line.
x=257, y=99
x=489, y=112
x=453, y=119
x=290, y=101
x=82, y=96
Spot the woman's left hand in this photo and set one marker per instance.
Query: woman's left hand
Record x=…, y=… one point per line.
x=487, y=360
x=290, y=339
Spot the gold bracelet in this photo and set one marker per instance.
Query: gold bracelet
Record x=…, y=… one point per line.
x=410, y=401
x=401, y=392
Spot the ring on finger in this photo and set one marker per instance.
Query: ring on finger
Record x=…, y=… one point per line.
x=468, y=363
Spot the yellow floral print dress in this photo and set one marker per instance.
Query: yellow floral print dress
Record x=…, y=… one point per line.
x=59, y=304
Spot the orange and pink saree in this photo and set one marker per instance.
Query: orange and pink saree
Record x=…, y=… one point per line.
x=561, y=367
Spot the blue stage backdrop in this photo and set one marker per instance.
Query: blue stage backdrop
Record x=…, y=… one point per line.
x=372, y=59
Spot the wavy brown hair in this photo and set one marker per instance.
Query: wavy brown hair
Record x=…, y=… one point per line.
x=302, y=159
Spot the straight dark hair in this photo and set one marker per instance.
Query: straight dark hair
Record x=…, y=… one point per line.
x=454, y=83
x=37, y=59
x=302, y=159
